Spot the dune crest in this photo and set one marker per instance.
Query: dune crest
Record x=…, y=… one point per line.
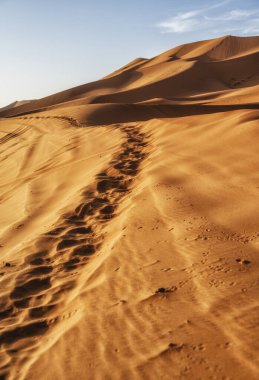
x=201, y=68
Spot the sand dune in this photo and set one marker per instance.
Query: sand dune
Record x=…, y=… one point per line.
x=201, y=68
x=17, y=103
x=129, y=235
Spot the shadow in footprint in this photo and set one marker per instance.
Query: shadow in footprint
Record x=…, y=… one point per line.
x=27, y=331
x=107, y=210
x=31, y=287
x=56, y=231
x=107, y=184
x=80, y=231
x=89, y=208
x=23, y=303
x=85, y=250
x=37, y=258
x=66, y=243
x=41, y=270
x=39, y=312
x=6, y=313
x=72, y=264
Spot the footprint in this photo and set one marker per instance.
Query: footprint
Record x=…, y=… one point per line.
x=107, y=210
x=31, y=287
x=23, y=303
x=38, y=261
x=6, y=313
x=84, y=250
x=80, y=231
x=72, y=264
x=39, y=312
x=41, y=270
x=56, y=231
x=27, y=331
x=90, y=207
x=37, y=258
x=66, y=243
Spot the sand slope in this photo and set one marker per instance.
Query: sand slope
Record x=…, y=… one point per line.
x=129, y=234
x=17, y=103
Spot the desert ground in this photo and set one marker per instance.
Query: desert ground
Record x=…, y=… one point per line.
x=129, y=231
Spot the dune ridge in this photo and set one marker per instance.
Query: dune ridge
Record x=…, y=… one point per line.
x=133, y=249
x=223, y=64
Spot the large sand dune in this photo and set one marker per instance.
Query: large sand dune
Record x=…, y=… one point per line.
x=129, y=222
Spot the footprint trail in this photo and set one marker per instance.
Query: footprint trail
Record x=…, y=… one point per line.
x=40, y=292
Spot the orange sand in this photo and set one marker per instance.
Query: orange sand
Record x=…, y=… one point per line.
x=129, y=222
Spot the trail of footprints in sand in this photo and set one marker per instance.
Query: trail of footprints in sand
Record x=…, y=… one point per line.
x=50, y=272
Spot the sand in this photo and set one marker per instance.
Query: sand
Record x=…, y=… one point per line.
x=129, y=222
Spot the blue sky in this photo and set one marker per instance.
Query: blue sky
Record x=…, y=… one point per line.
x=51, y=45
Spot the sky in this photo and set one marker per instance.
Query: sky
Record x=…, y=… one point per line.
x=52, y=45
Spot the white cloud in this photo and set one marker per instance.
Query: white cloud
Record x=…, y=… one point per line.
x=183, y=22
x=179, y=24
x=235, y=15
x=244, y=21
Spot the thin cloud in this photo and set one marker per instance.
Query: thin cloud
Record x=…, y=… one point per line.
x=179, y=24
x=253, y=27
x=235, y=15
x=244, y=21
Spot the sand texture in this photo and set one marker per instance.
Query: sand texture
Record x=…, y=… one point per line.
x=129, y=222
